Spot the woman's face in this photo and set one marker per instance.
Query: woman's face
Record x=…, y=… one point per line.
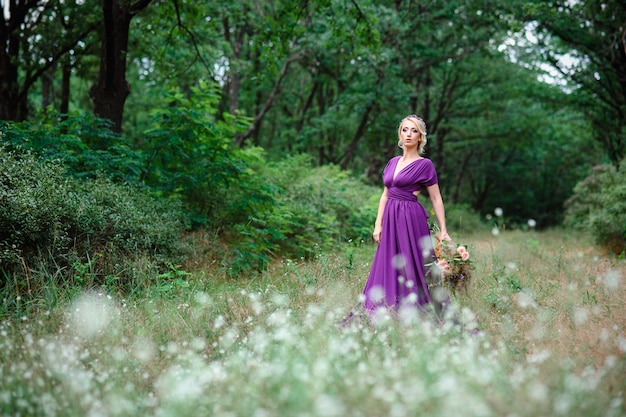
x=409, y=134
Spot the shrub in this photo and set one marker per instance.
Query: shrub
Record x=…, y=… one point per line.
x=315, y=208
x=599, y=207
x=460, y=218
x=189, y=154
x=47, y=215
x=34, y=200
x=323, y=201
x=126, y=217
x=84, y=144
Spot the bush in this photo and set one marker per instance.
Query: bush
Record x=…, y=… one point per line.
x=127, y=218
x=315, y=208
x=323, y=200
x=598, y=206
x=34, y=199
x=189, y=153
x=460, y=218
x=47, y=215
x=84, y=144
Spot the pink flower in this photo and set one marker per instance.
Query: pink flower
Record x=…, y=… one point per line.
x=443, y=265
x=463, y=252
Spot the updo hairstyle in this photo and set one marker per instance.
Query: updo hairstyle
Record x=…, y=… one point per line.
x=421, y=127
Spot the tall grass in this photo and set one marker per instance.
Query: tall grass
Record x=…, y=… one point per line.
x=549, y=307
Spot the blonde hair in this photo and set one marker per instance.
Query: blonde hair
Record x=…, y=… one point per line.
x=421, y=127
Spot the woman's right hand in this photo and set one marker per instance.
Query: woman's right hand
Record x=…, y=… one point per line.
x=378, y=231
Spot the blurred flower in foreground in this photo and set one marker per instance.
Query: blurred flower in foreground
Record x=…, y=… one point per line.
x=91, y=313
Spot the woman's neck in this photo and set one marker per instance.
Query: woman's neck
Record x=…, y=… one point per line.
x=410, y=154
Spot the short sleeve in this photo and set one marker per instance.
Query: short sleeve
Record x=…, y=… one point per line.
x=429, y=175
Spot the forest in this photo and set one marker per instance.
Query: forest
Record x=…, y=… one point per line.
x=266, y=124
x=188, y=192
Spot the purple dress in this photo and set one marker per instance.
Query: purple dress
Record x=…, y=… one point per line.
x=398, y=275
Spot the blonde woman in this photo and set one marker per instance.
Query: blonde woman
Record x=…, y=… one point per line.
x=398, y=276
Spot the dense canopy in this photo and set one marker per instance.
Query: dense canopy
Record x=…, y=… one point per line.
x=520, y=97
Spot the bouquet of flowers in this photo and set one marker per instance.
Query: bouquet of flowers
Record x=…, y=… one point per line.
x=454, y=264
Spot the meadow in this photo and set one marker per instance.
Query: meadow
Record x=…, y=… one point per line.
x=542, y=333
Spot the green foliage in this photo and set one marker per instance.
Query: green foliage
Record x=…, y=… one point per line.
x=127, y=217
x=87, y=225
x=169, y=281
x=83, y=143
x=189, y=155
x=315, y=208
x=460, y=218
x=186, y=155
x=505, y=284
x=33, y=205
x=510, y=145
x=324, y=199
x=598, y=206
x=589, y=34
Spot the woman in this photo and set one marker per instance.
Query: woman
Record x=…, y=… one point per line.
x=399, y=275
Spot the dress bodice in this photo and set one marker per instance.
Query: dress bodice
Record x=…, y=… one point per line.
x=416, y=176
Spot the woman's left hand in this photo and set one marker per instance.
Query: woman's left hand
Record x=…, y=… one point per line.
x=445, y=236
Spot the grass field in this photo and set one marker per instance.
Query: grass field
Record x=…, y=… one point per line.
x=549, y=307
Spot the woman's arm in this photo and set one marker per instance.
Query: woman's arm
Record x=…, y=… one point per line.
x=378, y=226
x=440, y=212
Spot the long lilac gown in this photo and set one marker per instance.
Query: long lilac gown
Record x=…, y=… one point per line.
x=398, y=276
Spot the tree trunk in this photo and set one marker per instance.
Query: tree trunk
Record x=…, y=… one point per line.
x=456, y=194
x=12, y=105
x=111, y=90
x=65, y=88
x=64, y=109
x=236, y=43
x=256, y=123
x=349, y=155
x=47, y=85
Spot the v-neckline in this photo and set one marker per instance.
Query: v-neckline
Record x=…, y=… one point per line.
x=397, y=171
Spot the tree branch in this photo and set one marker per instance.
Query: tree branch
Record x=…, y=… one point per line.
x=18, y=13
x=357, y=135
x=194, y=42
x=30, y=79
x=138, y=6
x=239, y=141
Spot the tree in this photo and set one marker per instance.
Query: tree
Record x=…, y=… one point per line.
x=511, y=143
x=592, y=36
x=369, y=63
x=36, y=35
x=111, y=89
x=284, y=39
